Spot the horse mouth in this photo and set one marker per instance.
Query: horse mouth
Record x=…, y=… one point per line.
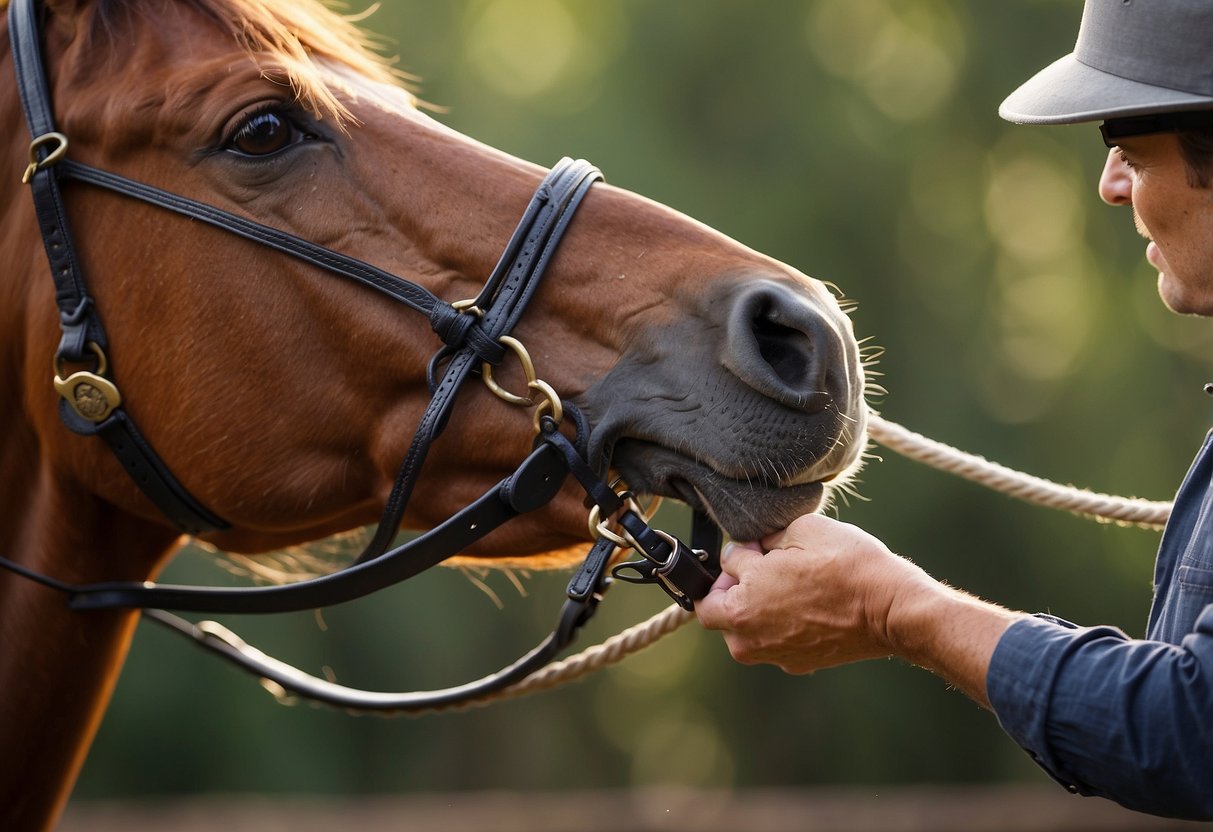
x=747, y=508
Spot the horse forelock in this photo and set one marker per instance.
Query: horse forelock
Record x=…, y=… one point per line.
x=291, y=40
x=296, y=34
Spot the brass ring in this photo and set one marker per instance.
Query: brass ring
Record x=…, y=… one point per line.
x=598, y=525
x=528, y=368
x=551, y=401
x=102, y=363
x=598, y=528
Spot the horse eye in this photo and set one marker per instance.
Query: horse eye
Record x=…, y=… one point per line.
x=263, y=133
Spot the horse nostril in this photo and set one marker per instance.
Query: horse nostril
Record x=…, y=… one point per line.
x=788, y=352
x=781, y=345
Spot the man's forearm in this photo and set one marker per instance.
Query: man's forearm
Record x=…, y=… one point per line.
x=950, y=633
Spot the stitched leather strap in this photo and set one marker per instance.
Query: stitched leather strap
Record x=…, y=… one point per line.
x=584, y=592
x=467, y=341
x=410, y=294
x=70, y=293
x=510, y=286
x=507, y=291
x=504, y=296
x=535, y=483
x=79, y=319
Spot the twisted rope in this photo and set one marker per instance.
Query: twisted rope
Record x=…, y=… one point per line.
x=1149, y=514
x=611, y=651
x=1127, y=511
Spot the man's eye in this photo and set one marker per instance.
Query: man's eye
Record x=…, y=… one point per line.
x=264, y=133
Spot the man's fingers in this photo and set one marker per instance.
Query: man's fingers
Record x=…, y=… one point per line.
x=736, y=556
x=800, y=533
x=724, y=582
x=712, y=608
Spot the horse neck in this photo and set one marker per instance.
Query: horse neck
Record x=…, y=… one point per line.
x=57, y=667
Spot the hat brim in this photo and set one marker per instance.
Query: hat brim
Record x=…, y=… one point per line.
x=1070, y=92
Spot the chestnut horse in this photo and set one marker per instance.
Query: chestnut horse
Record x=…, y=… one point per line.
x=284, y=400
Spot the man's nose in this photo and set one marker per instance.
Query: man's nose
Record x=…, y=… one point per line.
x=1116, y=181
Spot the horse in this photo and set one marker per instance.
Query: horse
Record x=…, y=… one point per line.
x=283, y=400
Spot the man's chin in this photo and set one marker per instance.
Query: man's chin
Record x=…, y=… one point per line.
x=1180, y=300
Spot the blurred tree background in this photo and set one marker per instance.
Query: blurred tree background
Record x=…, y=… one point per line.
x=857, y=140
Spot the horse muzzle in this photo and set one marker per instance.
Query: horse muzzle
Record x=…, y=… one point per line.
x=745, y=408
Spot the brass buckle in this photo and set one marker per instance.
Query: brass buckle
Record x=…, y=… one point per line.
x=92, y=396
x=36, y=164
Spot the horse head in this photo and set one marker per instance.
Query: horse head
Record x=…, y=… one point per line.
x=283, y=399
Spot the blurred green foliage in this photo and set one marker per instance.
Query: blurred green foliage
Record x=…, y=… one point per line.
x=857, y=140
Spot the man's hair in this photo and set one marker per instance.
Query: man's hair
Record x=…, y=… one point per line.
x=1196, y=145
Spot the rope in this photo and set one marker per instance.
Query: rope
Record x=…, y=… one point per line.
x=613, y=650
x=1036, y=490
x=1126, y=511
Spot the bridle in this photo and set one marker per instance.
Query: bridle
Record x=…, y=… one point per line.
x=476, y=337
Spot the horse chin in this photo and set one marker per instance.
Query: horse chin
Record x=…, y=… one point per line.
x=747, y=509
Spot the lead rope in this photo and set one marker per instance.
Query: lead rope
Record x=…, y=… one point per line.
x=1150, y=514
x=611, y=651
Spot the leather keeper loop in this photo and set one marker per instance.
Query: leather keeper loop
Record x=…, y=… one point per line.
x=450, y=324
x=459, y=329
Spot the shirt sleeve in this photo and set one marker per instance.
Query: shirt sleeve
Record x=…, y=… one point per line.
x=1106, y=715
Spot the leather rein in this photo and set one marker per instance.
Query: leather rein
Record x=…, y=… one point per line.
x=476, y=338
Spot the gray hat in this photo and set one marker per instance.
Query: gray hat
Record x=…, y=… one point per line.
x=1133, y=57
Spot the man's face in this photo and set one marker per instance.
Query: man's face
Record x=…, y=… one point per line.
x=1149, y=173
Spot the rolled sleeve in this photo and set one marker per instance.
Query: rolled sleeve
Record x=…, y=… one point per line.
x=1107, y=715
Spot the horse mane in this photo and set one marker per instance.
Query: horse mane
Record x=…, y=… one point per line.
x=294, y=34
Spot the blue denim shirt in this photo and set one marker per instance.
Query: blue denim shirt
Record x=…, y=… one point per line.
x=1126, y=719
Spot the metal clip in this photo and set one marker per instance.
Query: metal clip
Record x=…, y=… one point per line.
x=56, y=153
x=92, y=396
x=683, y=575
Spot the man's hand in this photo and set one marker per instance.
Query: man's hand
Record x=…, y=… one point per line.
x=820, y=597
x=827, y=593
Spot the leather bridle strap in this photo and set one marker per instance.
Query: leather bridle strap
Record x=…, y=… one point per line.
x=472, y=338
x=534, y=484
x=509, y=288
x=472, y=334
x=470, y=341
x=410, y=294
x=83, y=340
x=574, y=613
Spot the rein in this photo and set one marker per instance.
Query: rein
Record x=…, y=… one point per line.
x=476, y=337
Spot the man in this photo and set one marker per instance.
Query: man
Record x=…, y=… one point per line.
x=1130, y=720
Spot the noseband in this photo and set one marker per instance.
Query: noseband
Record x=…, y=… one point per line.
x=476, y=338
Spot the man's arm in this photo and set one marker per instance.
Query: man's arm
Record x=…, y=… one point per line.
x=1103, y=714
x=828, y=593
